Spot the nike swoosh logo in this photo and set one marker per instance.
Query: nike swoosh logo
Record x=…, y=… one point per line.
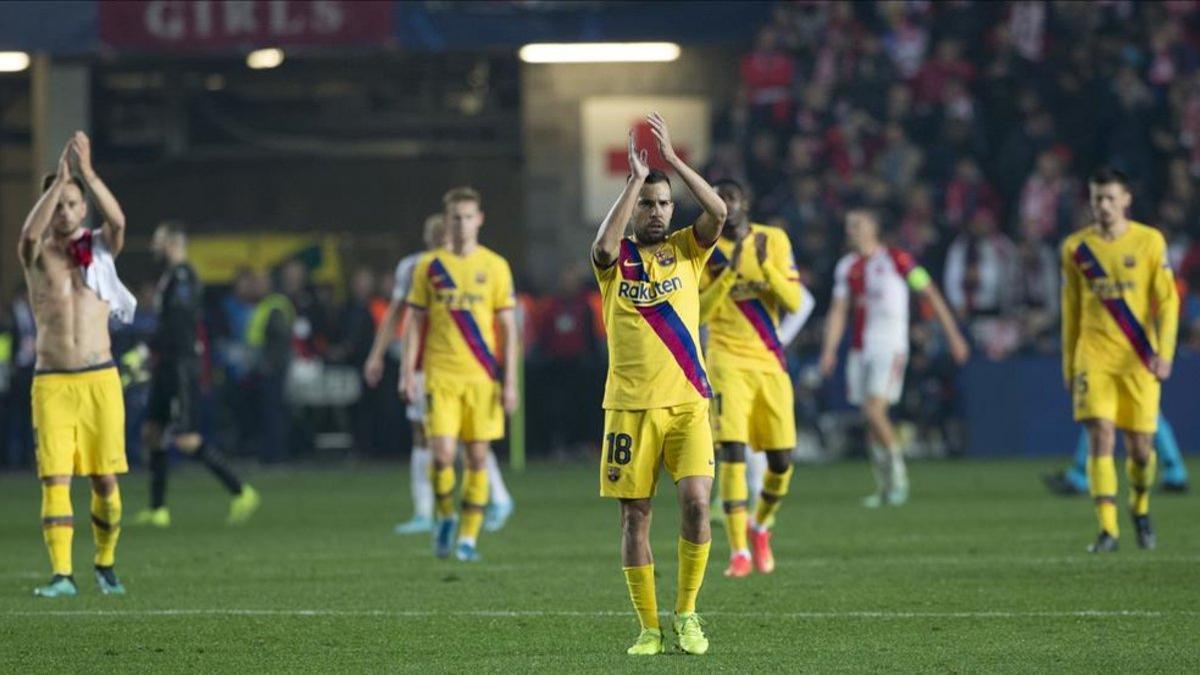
x=632, y=263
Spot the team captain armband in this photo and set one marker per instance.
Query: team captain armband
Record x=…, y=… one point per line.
x=918, y=279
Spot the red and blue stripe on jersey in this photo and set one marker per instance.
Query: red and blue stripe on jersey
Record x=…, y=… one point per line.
x=665, y=322
x=1117, y=308
x=441, y=280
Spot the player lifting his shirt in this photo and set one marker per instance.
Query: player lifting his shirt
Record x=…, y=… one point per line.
x=657, y=390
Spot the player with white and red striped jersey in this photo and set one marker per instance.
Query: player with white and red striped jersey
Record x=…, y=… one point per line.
x=874, y=281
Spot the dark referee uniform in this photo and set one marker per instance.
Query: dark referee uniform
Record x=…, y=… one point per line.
x=174, y=399
x=175, y=373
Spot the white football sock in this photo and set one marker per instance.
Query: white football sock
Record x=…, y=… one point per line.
x=756, y=468
x=881, y=464
x=899, y=476
x=499, y=491
x=422, y=487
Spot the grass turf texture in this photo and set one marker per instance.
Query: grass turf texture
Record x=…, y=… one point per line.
x=982, y=571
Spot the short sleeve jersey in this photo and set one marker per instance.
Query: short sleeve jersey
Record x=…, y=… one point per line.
x=404, y=275
x=1115, y=290
x=877, y=287
x=462, y=295
x=745, y=326
x=651, y=307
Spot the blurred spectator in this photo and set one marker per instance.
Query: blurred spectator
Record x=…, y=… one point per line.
x=567, y=352
x=311, y=314
x=948, y=65
x=269, y=337
x=1049, y=197
x=1037, y=292
x=967, y=193
x=905, y=39
x=979, y=280
x=767, y=75
x=899, y=159
x=980, y=269
x=918, y=231
x=356, y=332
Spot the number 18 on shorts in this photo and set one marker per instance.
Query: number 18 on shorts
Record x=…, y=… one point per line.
x=638, y=442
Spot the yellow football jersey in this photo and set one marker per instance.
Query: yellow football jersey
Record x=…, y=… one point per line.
x=742, y=307
x=462, y=295
x=651, y=310
x=1120, y=305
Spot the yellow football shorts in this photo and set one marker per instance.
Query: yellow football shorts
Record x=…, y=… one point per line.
x=753, y=406
x=1129, y=400
x=79, y=423
x=469, y=410
x=637, y=443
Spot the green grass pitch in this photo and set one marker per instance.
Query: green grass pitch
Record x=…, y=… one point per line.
x=983, y=571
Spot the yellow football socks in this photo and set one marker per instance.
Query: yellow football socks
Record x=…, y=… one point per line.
x=475, y=499
x=106, y=525
x=734, y=497
x=443, y=491
x=693, y=558
x=1141, y=477
x=640, y=581
x=775, y=488
x=57, y=526
x=1102, y=479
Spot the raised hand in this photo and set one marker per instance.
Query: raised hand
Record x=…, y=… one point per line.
x=83, y=152
x=63, y=172
x=760, y=247
x=638, y=165
x=659, y=126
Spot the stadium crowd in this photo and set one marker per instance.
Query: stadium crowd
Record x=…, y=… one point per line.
x=960, y=122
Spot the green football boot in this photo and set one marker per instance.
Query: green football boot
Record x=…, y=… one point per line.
x=649, y=643
x=689, y=633
x=60, y=586
x=244, y=505
x=106, y=578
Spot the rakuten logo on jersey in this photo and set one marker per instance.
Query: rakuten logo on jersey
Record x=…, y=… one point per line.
x=648, y=292
x=456, y=300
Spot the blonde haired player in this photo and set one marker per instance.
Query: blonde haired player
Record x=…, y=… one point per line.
x=78, y=405
x=1120, y=317
x=750, y=284
x=500, y=506
x=461, y=290
x=656, y=394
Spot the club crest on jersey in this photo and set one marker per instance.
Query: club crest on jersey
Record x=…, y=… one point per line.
x=1129, y=262
x=614, y=474
x=481, y=278
x=664, y=257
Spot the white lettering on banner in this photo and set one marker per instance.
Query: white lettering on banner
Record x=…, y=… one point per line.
x=281, y=24
x=239, y=17
x=164, y=20
x=328, y=17
x=203, y=18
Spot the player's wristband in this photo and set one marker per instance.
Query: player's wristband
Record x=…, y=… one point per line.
x=919, y=279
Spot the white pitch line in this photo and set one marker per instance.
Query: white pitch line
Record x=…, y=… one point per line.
x=508, y=614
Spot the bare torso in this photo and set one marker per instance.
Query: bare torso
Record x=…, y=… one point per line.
x=72, y=321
